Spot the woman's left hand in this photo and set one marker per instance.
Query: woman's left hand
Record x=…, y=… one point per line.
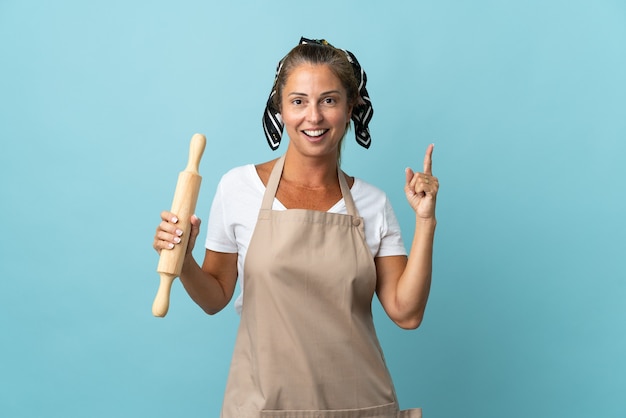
x=421, y=188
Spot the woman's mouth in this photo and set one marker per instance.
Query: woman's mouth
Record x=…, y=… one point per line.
x=316, y=133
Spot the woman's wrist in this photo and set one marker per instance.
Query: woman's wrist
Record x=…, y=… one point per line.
x=425, y=222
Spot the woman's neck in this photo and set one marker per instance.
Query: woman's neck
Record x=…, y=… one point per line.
x=311, y=173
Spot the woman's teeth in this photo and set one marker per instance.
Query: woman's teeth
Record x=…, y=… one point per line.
x=315, y=133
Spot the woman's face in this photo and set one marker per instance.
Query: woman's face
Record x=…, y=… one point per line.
x=315, y=110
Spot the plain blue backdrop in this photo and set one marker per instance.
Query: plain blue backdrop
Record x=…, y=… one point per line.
x=524, y=100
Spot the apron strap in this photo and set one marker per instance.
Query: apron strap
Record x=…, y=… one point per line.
x=347, y=195
x=274, y=180
x=272, y=184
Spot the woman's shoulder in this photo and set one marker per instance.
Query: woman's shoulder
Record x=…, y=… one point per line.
x=370, y=200
x=264, y=170
x=244, y=183
x=362, y=187
x=242, y=179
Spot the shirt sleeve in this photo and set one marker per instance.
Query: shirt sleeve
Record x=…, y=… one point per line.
x=391, y=242
x=220, y=233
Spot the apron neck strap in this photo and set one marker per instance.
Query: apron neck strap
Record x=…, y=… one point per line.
x=274, y=180
x=347, y=195
x=272, y=184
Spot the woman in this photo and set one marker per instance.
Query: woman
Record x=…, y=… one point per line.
x=311, y=246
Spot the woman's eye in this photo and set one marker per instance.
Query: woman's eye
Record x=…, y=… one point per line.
x=297, y=101
x=329, y=100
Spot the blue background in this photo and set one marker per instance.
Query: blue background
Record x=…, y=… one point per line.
x=524, y=100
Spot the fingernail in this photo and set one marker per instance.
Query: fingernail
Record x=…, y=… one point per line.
x=177, y=240
x=174, y=220
x=179, y=232
x=170, y=245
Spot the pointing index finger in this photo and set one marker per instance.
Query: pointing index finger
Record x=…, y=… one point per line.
x=428, y=160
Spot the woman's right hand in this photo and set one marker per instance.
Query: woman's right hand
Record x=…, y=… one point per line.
x=169, y=233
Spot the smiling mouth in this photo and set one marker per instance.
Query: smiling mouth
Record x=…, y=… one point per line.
x=315, y=133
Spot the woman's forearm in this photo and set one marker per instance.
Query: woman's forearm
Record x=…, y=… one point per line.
x=211, y=291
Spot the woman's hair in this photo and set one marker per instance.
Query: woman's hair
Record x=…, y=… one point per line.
x=316, y=54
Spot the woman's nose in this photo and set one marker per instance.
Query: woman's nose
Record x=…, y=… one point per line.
x=314, y=115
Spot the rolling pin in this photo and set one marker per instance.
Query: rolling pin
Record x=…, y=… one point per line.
x=183, y=206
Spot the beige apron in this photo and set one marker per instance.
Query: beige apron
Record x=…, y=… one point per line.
x=306, y=345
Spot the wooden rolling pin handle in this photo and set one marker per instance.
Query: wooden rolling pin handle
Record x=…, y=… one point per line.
x=183, y=206
x=162, y=300
x=196, y=149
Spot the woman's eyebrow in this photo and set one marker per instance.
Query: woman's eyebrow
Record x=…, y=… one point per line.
x=295, y=93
